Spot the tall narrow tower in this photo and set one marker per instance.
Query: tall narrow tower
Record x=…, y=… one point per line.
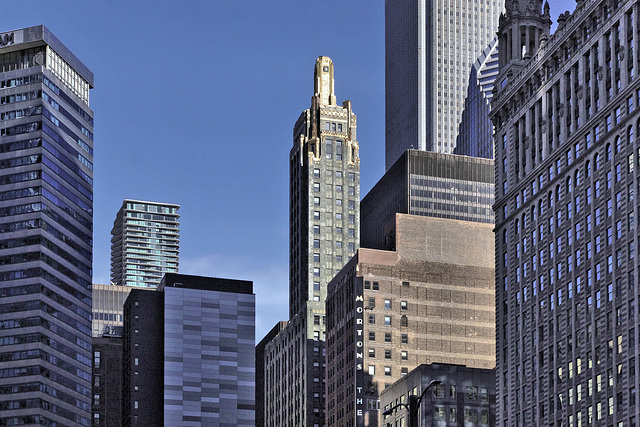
x=46, y=217
x=324, y=235
x=324, y=192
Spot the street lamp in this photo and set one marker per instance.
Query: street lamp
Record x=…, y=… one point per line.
x=414, y=404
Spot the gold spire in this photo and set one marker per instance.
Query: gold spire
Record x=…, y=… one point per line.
x=323, y=82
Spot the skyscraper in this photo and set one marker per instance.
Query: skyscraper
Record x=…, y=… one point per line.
x=324, y=234
x=145, y=243
x=189, y=353
x=46, y=198
x=475, y=136
x=566, y=113
x=429, y=49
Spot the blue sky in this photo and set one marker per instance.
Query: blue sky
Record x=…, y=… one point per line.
x=194, y=104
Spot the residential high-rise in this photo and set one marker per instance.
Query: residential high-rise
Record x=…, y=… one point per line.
x=566, y=114
x=324, y=234
x=430, y=47
x=189, y=353
x=429, y=301
x=475, y=135
x=46, y=217
x=145, y=243
x=427, y=184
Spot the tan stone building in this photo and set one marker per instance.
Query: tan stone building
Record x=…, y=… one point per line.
x=429, y=301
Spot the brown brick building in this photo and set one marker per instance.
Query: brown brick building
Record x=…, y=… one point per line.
x=429, y=301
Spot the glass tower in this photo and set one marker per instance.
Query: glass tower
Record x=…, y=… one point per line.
x=145, y=243
x=46, y=198
x=475, y=135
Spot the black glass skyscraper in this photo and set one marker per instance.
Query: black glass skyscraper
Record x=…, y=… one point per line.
x=46, y=193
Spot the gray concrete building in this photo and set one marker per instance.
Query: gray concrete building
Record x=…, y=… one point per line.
x=145, y=243
x=430, y=47
x=107, y=312
x=464, y=397
x=475, y=134
x=566, y=110
x=324, y=212
x=189, y=353
x=429, y=301
x=46, y=219
x=427, y=184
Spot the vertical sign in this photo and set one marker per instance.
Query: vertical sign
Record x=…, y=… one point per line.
x=359, y=349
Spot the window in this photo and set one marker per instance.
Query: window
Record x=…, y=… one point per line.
x=387, y=320
x=387, y=371
x=372, y=302
x=387, y=353
x=316, y=186
x=316, y=229
x=316, y=215
x=372, y=336
x=404, y=355
x=96, y=359
x=372, y=370
x=387, y=337
x=352, y=219
x=316, y=201
x=316, y=173
x=387, y=303
x=338, y=202
x=316, y=272
x=404, y=321
x=372, y=319
x=96, y=399
x=316, y=243
x=339, y=188
x=372, y=352
x=404, y=339
x=338, y=216
x=403, y=305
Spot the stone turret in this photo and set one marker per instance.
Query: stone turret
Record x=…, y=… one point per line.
x=521, y=29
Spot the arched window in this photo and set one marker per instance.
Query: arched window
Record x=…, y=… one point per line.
x=608, y=157
x=540, y=207
x=550, y=199
x=618, y=145
x=576, y=177
x=587, y=168
x=558, y=193
x=517, y=227
x=524, y=221
x=533, y=213
x=630, y=134
x=596, y=160
x=505, y=236
x=568, y=189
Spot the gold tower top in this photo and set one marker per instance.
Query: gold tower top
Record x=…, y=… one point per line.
x=324, y=83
